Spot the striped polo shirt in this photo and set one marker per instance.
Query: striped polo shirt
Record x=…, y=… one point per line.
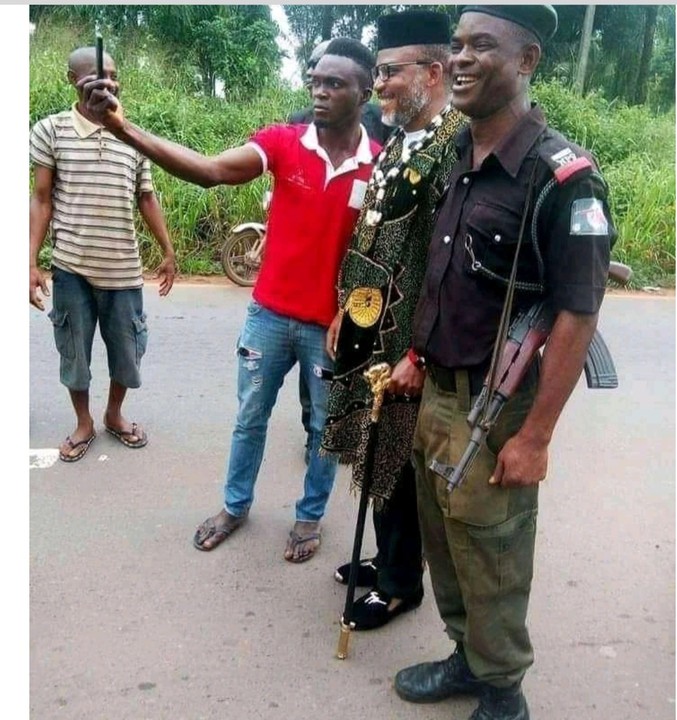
x=96, y=181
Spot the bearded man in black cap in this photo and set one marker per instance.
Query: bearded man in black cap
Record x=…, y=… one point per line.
x=379, y=284
x=479, y=539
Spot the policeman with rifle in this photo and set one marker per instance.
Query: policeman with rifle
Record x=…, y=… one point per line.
x=528, y=333
x=519, y=257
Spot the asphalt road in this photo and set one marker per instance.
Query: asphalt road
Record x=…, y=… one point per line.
x=129, y=622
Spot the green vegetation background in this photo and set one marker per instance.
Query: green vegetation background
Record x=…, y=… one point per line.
x=635, y=148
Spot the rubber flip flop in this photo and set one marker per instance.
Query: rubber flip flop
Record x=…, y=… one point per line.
x=121, y=436
x=84, y=444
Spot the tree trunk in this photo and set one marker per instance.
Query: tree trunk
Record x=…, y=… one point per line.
x=642, y=87
x=327, y=21
x=584, y=51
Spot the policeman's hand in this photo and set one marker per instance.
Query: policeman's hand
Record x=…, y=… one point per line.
x=521, y=462
x=332, y=336
x=406, y=379
x=36, y=281
x=100, y=98
x=166, y=271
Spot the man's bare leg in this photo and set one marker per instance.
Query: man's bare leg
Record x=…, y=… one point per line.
x=85, y=424
x=113, y=418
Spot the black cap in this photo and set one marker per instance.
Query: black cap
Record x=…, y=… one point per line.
x=541, y=20
x=413, y=27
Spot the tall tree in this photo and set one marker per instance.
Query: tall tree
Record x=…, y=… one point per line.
x=584, y=52
x=313, y=23
x=642, y=87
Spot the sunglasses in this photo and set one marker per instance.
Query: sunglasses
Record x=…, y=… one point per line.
x=385, y=71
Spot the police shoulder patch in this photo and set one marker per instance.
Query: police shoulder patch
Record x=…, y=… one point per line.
x=588, y=217
x=566, y=163
x=565, y=159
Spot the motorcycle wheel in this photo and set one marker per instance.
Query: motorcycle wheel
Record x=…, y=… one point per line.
x=233, y=257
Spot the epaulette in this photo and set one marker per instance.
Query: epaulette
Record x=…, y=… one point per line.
x=565, y=161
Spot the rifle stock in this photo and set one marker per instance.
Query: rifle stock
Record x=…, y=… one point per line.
x=620, y=273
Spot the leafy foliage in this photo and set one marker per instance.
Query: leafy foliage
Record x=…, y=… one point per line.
x=232, y=46
x=636, y=152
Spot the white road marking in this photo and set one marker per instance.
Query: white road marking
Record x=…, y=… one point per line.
x=40, y=459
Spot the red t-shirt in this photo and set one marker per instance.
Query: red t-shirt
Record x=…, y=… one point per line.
x=310, y=221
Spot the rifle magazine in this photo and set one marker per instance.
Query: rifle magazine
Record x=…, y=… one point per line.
x=600, y=371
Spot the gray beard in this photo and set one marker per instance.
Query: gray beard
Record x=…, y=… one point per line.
x=409, y=107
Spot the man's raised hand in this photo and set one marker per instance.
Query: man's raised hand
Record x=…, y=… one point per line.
x=101, y=102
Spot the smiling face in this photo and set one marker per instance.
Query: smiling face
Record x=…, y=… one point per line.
x=405, y=95
x=490, y=66
x=337, y=89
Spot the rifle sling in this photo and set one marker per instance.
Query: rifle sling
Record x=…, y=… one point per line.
x=504, y=323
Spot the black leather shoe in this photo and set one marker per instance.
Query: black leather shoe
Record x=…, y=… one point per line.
x=501, y=704
x=434, y=681
x=371, y=610
x=366, y=573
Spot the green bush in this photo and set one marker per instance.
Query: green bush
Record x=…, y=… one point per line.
x=636, y=152
x=611, y=131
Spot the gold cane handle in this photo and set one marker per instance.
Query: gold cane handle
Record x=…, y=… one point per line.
x=378, y=377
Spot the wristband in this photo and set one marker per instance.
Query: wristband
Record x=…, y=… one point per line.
x=415, y=359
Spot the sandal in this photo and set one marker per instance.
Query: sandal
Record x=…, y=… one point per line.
x=295, y=540
x=217, y=534
x=122, y=435
x=83, y=444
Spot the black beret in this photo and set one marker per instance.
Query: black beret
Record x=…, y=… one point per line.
x=541, y=20
x=413, y=27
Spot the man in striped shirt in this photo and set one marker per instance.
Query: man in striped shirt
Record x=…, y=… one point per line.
x=86, y=183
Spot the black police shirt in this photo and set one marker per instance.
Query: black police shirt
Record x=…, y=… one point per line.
x=459, y=309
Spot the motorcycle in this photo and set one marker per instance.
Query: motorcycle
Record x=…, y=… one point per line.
x=242, y=251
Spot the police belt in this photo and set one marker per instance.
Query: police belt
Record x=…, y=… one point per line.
x=450, y=379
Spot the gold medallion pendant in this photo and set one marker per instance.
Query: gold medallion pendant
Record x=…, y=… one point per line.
x=364, y=306
x=412, y=175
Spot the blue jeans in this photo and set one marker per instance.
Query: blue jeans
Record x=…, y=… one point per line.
x=268, y=348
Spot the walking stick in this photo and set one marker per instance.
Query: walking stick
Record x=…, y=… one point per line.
x=378, y=377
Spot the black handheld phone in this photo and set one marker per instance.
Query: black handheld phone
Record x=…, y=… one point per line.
x=99, y=57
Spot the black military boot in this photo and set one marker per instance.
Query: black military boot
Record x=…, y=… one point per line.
x=501, y=704
x=434, y=681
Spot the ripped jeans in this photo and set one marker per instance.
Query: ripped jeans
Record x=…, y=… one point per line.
x=268, y=348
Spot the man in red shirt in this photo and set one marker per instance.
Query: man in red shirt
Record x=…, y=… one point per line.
x=321, y=172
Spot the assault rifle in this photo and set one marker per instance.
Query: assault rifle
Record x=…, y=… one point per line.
x=527, y=334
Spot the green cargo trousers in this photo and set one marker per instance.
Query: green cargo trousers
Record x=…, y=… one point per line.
x=478, y=540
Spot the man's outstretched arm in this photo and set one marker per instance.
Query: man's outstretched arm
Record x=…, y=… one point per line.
x=232, y=167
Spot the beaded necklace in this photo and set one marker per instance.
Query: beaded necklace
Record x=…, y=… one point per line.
x=381, y=180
